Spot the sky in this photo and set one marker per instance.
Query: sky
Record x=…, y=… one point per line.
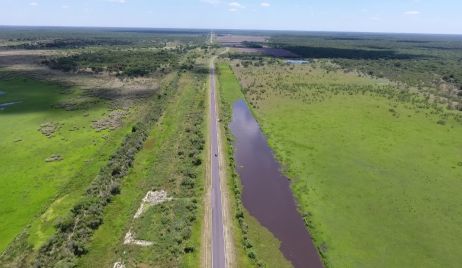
x=397, y=16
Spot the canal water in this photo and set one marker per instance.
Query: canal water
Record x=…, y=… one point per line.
x=266, y=192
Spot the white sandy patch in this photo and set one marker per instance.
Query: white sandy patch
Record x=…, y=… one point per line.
x=151, y=199
x=118, y=265
x=130, y=240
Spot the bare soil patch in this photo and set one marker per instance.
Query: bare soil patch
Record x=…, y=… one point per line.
x=54, y=158
x=49, y=128
x=130, y=240
x=151, y=199
x=237, y=40
x=111, y=122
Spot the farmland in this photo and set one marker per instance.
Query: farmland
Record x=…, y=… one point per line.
x=362, y=153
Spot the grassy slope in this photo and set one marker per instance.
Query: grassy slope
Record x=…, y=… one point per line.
x=382, y=190
x=265, y=244
x=25, y=193
x=154, y=167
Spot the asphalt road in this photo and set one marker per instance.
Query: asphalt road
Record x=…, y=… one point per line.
x=218, y=241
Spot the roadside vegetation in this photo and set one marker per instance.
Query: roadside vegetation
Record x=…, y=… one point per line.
x=171, y=160
x=256, y=246
x=374, y=166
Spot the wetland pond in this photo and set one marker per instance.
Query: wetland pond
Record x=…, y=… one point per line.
x=297, y=62
x=266, y=191
x=3, y=106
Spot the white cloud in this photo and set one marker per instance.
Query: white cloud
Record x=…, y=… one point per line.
x=235, y=6
x=412, y=13
x=265, y=4
x=34, y=4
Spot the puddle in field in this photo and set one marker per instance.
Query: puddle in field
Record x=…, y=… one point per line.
x=2, y=93
x=3, y=106
x=297, y=62
x=266, y=192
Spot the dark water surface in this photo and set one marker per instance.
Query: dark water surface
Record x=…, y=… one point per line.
x=267, y=194
x=3, y=106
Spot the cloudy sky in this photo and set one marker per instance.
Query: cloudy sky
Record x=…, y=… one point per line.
x=416, y=16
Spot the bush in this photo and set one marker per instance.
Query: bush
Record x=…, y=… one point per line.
x=74, y=232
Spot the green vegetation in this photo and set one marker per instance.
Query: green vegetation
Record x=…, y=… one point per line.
x=257, y=246
x=39, y=183
x=75, y=230
x=92, y=119
x=171, y=160
x=76, y=136
x=131, y=63
x=429, y=62
x=34, y=38
x=375, y=168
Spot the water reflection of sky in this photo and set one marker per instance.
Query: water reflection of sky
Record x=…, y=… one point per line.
x=3, y=106
x=266, y=192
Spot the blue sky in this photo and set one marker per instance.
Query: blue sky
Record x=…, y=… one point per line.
x=416, y=16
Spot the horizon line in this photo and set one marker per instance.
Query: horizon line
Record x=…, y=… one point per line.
x=227, y=29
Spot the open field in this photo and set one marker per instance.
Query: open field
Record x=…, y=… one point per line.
x=375, y=170
x=429, y=62
x=34, y=130
x=236, y=40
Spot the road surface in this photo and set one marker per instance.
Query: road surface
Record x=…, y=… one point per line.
x=218, y=240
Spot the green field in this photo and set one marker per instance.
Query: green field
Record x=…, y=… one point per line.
x=30, y=185
x=376, y=172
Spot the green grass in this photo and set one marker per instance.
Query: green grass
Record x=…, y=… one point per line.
x=156, y=167
x=265, y=245
x=377, y=178
x=29, y=184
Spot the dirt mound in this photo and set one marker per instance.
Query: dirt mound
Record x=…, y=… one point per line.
x=54, y=158
x=113, y=121
x=49, y=128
